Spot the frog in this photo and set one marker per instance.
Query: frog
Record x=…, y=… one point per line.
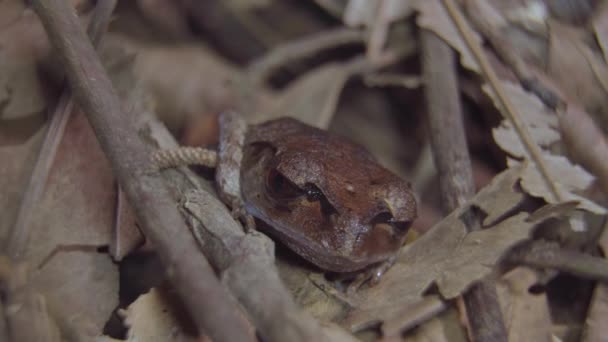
x=323, y=196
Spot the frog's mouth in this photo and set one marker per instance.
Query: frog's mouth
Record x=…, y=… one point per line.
x=313, y=251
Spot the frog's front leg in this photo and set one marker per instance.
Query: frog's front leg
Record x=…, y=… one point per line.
x=233, y=128
x=226, y=161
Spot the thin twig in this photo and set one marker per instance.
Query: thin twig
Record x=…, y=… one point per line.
x=450, y=152
x=299, y=49
x=212, y=309
x=543, y=254
x=19, y=234
x=379, y=31
x=507, y=108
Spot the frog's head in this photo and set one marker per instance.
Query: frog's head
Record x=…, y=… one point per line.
x=325, y=197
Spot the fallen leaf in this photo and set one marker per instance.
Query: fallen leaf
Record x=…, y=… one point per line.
x=14, y=175
x=313, y=98
x=152, y=317
x=526, y=314
x=539, y=120
x=363, y=12
x=569, y=178
x=600, y=26
x=198, y=84
x=72, y=220
x=21, y=91
x=568, y=65
x=447, y=255
x=543, y=127
x=434, y=17
x=446, y=327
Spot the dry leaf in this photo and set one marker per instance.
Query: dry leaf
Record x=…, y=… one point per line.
x=152, y=318
x=446, y=327
x=198, y=83
x=543, y=127
x=447, y=256
x=540, y=121
x=14, y=175
x=600, y=25
x=363, y=12
x=568, y=177
x=21, y=91
x=434, y=17
x=73, y=218
x=313, y=98
x=568, y=65
x=526, y=314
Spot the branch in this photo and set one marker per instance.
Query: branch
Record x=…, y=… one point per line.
x=213, y=311
x=451, y=156
x=260, y=69
x=542, y=254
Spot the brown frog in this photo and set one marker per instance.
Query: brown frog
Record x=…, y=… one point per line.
x=323, y=196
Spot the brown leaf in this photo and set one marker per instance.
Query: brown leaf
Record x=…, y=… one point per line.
x=197, y=84
x=543, y=127
x=21, y=91
x=569, y=66
x=600, y=26
x=446, y=327
x=17, y=162
x=526, y=314
x=363, y=12
x=541, y=123
x=434, y=17
x=152, y=318
x=73, y=218
x=570, y=178
x=313, y=98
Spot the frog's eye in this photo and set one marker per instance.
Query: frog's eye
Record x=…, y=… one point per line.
x=314, y=194
x=386, y=221
x=280, y=187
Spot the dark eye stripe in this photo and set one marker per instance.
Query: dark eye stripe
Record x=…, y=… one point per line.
x=280, y=187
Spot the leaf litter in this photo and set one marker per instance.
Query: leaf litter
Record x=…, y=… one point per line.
x=75, y=217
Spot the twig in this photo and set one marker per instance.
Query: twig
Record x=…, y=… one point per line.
x=507, y=108
x=223, y=29
x=212, y=309
x=379, y=31
x=453, y=162
x=19, y=234
x=299, y=49
x=543, y=254
x=245, y=261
